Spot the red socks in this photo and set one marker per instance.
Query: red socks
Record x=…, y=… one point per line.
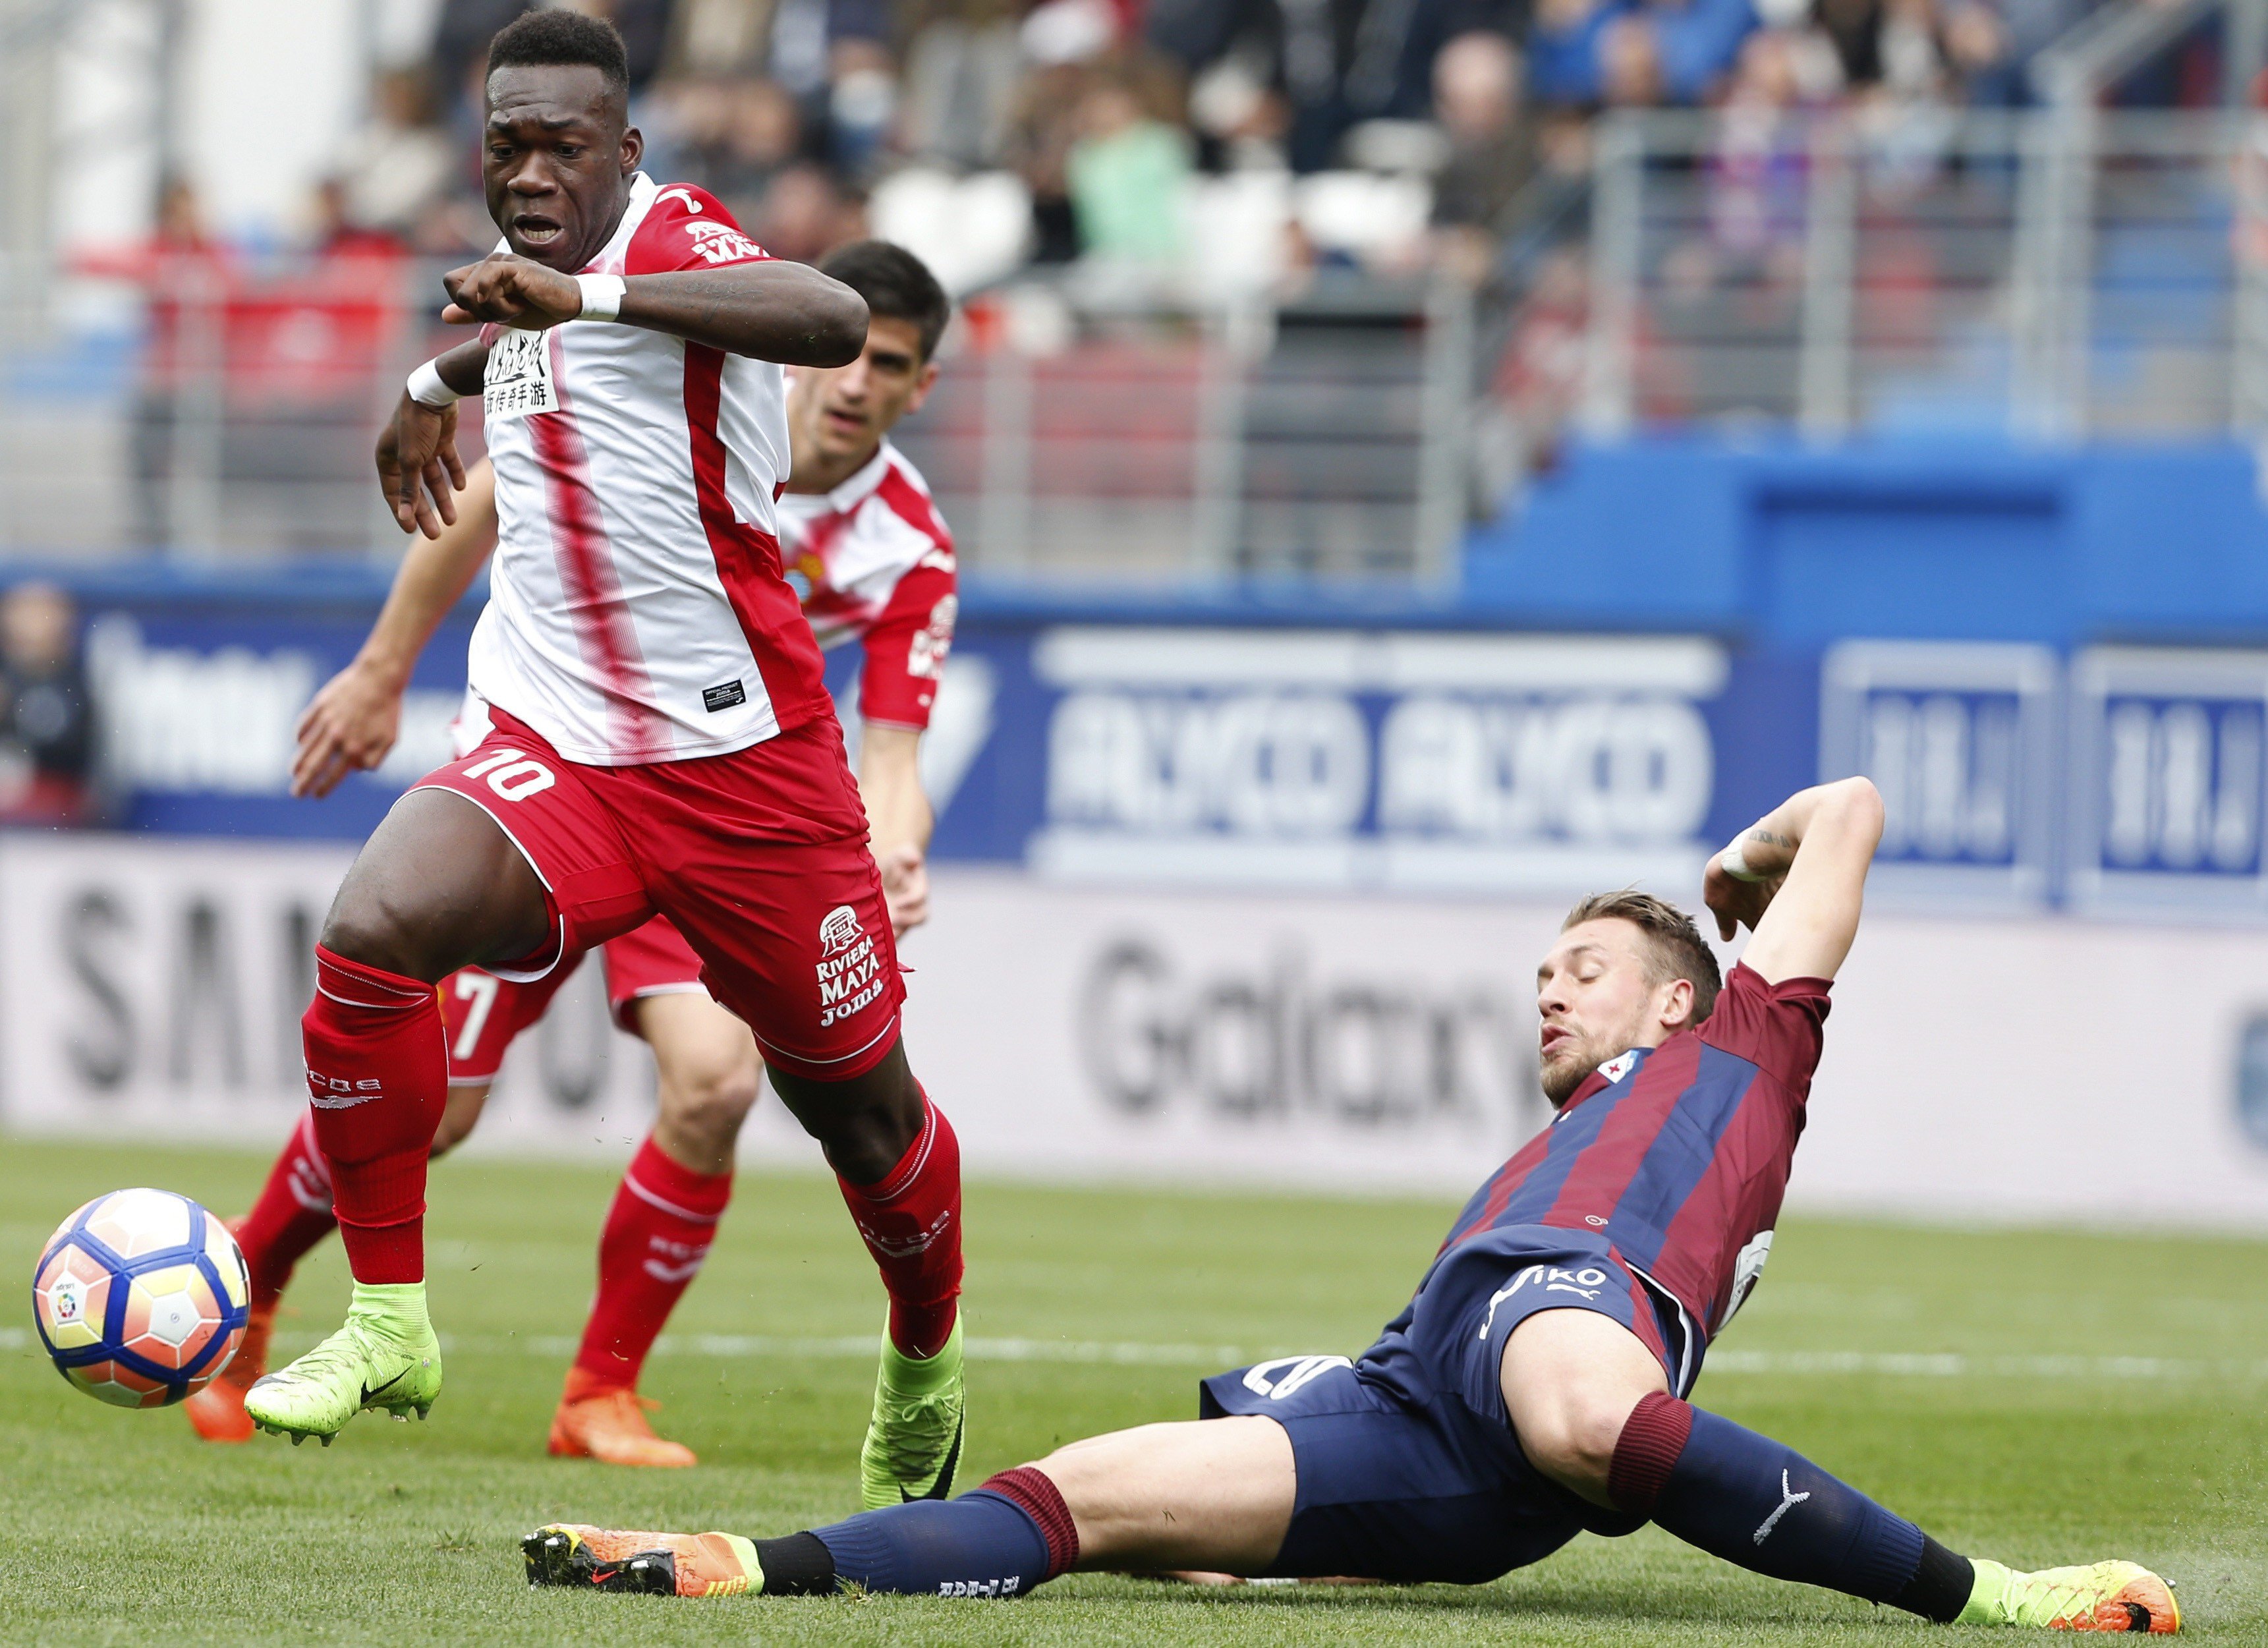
x=378, y=1076
x=292, y=1214
x=657, y=1233
x=912, y=1222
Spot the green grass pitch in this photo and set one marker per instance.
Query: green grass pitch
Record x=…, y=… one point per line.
x=2036, y=1396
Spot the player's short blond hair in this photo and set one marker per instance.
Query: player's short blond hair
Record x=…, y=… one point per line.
x=1674, y=945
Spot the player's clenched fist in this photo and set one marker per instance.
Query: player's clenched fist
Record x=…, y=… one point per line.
x=511, y=290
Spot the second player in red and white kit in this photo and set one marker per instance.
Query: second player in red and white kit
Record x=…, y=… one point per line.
x=661, y=738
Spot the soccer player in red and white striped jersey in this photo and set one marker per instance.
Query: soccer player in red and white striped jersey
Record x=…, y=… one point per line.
x=661, y=741
x=875, y=564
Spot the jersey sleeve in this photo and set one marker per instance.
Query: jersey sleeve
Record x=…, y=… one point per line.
x=688, y=228
x=906, y=645
x=1779, y=1028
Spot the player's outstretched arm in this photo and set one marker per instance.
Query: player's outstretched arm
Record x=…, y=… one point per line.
x=1797, y=877
x=351, y=724
x=899, y=819
x=772, y=310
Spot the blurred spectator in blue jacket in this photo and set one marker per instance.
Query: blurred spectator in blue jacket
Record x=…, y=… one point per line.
x=1635, y=52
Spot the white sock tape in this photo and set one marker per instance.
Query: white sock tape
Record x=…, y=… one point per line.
x=602, y=296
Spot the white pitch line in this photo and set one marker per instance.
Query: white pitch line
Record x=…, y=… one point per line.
x=1140, y=1353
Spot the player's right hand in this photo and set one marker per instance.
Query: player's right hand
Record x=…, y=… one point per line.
x=418, y=468
x=349, y=726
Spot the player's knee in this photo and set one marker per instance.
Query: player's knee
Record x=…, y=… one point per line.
x=709, y=1102
x=365, y=927
x=1571, y=1436
x=461, y=1115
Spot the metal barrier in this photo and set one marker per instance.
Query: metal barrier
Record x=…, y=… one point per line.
x=1071, y=437
x=2061, y=274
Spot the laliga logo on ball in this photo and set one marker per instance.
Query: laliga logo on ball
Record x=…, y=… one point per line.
x=140, y=1298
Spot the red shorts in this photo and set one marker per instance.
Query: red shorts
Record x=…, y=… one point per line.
x=486, y=1014
x=759, y=857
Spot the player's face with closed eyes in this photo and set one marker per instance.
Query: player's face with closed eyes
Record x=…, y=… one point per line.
x=555, y=161
x=1595, y=998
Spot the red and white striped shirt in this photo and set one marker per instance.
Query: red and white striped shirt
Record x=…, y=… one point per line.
x=874, y=561
x=637, y=609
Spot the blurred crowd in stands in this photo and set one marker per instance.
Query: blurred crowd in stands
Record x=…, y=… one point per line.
x=1093, y=124
x=1182, y=149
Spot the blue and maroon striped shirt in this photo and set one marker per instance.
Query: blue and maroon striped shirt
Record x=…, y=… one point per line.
x=1678, y=1154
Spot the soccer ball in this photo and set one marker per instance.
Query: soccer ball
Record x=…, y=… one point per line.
x=140, y=1297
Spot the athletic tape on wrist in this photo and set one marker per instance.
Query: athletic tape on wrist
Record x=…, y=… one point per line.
x=602, y=296
x=426, y=388
x=1735, y=864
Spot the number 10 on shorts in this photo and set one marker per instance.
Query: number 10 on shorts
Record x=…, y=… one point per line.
x=513, y=774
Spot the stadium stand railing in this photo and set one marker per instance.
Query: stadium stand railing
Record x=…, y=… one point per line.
x=1078, y=435
x=2056, y=275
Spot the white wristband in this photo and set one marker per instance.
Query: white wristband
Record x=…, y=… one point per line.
x=426, y=388
x=602, y=296
x=1733, y=864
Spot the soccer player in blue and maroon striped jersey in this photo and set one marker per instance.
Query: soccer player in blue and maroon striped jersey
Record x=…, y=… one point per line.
x=1535, y=1386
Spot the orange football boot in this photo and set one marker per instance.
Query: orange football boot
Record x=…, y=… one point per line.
x=608, y=1423
x=217, y=1412
x=650, y=1565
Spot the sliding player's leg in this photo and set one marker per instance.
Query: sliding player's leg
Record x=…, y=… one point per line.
x=1592, y=1409
x=1216, y=1494
x=675, y=1191
x=441, y=883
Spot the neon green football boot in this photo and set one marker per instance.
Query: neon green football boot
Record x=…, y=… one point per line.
x=386, y=1358
x=913, y=1442
x=2104, y=1596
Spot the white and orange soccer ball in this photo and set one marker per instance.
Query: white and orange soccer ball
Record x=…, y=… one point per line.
x=140, y=1297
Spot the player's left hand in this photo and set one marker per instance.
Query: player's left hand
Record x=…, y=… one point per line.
x=905, y=888
x=418, y=467
x=1736, y=903
x=511, y=290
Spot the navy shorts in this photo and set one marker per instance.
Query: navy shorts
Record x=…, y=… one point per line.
x=1408, y=1466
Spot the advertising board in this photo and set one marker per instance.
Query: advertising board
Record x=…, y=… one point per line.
x=1981, y=1069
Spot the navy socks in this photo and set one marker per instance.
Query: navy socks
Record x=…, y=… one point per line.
x=1010, y=1536
x=1758, y=1504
